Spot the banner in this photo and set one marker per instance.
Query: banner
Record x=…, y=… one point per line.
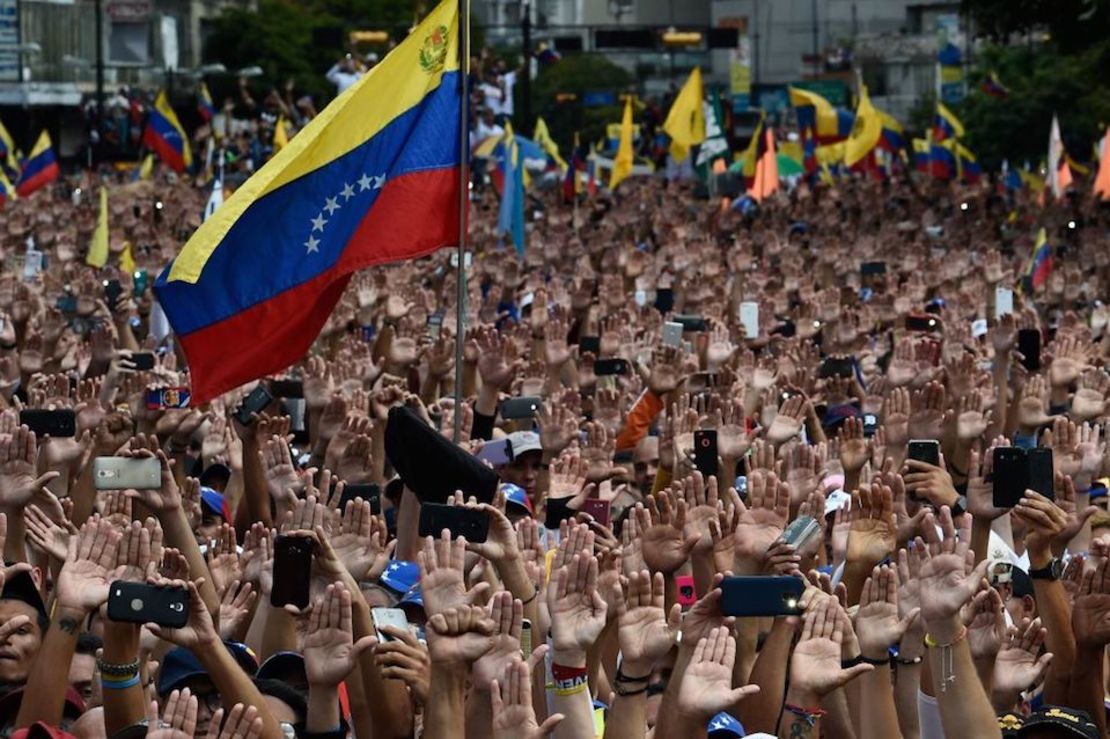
x=739, y=63
x=9, y=37
x=950, y=70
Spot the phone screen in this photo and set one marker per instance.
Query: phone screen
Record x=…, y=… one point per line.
x=1003, y=301
x=292, y=571
x=1009, y=476
x=1029, y=344
x=749, y=318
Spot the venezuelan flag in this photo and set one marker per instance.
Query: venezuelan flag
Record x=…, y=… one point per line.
x=893, y=136
x=757, y=147
x=967, y=165
x=204, y=103
x=373, y=179
x=1040, y=263
x=7, y=146
x=993, y=87
x=7, y=192
x=40, y=169
x=813, y=111
x=921, y=155
x=165, y=135
x=946, y=125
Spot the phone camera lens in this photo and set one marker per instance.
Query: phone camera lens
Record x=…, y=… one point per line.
x=136, y=604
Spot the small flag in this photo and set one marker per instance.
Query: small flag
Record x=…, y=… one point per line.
x=543, y=137
x=204, y=103
x=7, y=146
x=622, y=164
x=946, y=125
x=98, y=249
x=866, y=133
x=164, y=135
x=1102, y=180
x=547, y=54
x=829, y=124
x=1040, y=263
x=1059, y=174
x=993, y=87
x=40, y=169
x=685, y=122
x=127, y=259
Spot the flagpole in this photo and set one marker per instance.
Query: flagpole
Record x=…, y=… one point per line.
x=464, y=202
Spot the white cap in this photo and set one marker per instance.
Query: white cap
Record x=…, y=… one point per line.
x=524, y=441
x=836, y=500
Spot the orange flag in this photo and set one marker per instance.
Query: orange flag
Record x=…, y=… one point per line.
x=766, y=171
x=1102, y=181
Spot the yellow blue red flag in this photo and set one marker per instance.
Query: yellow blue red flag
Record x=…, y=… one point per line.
x=7, y=192
x=40, y=169
x=204, y=103
x=813, y=111
x=7, y=146
x=946, y=125
x=374, y=178
x=164, y=134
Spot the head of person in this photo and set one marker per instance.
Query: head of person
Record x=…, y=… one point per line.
x=288, y=705
x=1016, y=590
x=20, y=597
x=645, y=463
x=525, y=457
x=82, y=670
x=213, y=514
x=181, y=669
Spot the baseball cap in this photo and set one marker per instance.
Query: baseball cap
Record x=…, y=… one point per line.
x=286, y=666
x=215, y=503
x=838, y=414
x=180, y=665
x=21, y=587
x=724, y=725
x=400, y=575
x=1074, y=722
x=414, y=597
x=515, y=496
x=217, y=473
x=836, y=500
x=522, y=442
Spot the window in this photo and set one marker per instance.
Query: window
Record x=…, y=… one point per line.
x=129, y=43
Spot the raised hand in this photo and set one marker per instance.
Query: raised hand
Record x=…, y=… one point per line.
x=18, y=483
x=663, y=541
x=405, y=658
x=815, y=669
x=788, y=421
x=441, y=574
x=236, y=607
x=179, y=719
x=576, y=607
x=645, y=631
x=459, y=635
x=1020, y=664
x=986, y=626
x=330, y=652
x=511, y=706
x=946, y=581
x=83, y=581
x=199, y=631
x=879, y=625
x=1090, y=615
x=763, y=521
x=706, y=686
x=872, y=535
x=243, y=722
x=507, y=615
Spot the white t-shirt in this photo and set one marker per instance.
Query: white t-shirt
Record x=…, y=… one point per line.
x=342, y=79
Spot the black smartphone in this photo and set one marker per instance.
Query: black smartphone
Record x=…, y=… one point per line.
x=924, y=450
x=140, y=603
x=471, y=524
x=590, y=344
x=67, y=304
x=142, y=360
x=603, y=367
x=1029, y=344
x=1009, y=476
x=286, y=388
x=56, y=424
x=872, y=268
x=664, y=300
x=112, y=291
x=1039, y=477
x=370, y=491
x=292, y=571
x=705, y=451
x=691, y=323
x=922, y=322
x=761, y=596
x=870, y=424
x=524, y=407
x=836, y=367
x=256, y=402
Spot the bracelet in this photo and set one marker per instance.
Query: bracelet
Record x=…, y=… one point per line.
x=907, y=661
x=809, y=715
x=569, y=680
x=622, y=678
x=621, y=691
x=109, y=684
x=535, y=592
x=107, y=669
x=847, y=664
x=931, y=642
x=876, y=662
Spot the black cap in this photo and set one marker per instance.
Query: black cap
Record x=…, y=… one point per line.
x=21, y=587
x=1074, y=722
x=431, y=466
x=1022, y=585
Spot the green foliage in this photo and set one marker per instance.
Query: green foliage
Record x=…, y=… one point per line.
x=577, y=73
x=921, y=114
x=1072, y=25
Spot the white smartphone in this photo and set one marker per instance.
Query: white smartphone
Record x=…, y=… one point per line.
x=979, y=328
x=749, y=318
x=672, y=334
x=388, y=617
x=641, y=298
x=1003, y=301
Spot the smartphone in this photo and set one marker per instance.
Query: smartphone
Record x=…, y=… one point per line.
x=1003, y=301
x=141, y=279
x=286, y=388
x=112, y=291
x=590, y=344
x=435, y=326
x=691, y=323
x=526, y=638
x=870, y=424
x=127, y=473
x=925, y=450
x=1029, y=344
x=672, y=334
x=67, y=304
x=922, y=322
x=687, y=594
x=1008, y=478
x=1039, y=477
x=168, y=397
x=598, y=508
x=761, y=596
x=603, y=367
x=256, y=402
x=472, y=525
x=800, y=531
x=140, y=603
x=872, y=268
x=389, y=617
x=749, y=318
x=56, y=424
x=836, y=367
x=370, y=491
x=705, y=451
x=523, y=407
x=292, y=571
x=142, y=360
x=664, y=300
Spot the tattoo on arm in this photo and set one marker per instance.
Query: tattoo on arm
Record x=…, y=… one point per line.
x=69, y=625
x=800, y=728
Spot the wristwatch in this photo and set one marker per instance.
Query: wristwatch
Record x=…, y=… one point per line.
x=1051, y=571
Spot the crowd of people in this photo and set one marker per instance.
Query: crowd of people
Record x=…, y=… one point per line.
x=597, y=594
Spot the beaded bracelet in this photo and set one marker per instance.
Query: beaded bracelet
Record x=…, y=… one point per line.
x=113, y=670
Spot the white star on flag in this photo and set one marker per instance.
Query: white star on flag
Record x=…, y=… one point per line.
x=364, y=182
x=313, y=244
x=379, y=181
x=348, y=191
x=319, y=222
x=332, y=205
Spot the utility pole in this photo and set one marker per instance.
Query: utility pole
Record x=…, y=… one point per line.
x=755, y=44
x=526, y=72
x=813, y=31
x=99, y=11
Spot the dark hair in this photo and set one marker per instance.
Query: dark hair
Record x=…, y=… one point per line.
x=88, y=643
x=287, y=694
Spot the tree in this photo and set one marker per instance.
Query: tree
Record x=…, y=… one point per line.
x=577, y=74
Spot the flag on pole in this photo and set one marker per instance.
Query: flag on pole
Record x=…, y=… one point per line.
x=281, y=134
x=374, y=178
x=510, y=218
x=126, y=258
x=1059, y=174
x=543, y=137
x=993, y=86
x=685, y=122
x=7, y=146
x=40, y=169
x=164, y=135
x=622, y=164
x=98, y=249
x=946, y=125
x=204, y=103
x=813, y=111
x=754, y=153
x=866, y=133
x=1102, y=180
x=1040, y=264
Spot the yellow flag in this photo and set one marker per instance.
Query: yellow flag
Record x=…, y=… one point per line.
x=98, y=249
x=622, y=165
x=281, y=134
x=126, y=258
x=685, y=122
x=543, y=137
x=147, y=167
x=866, y=132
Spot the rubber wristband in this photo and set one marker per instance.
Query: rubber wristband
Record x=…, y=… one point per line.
x=111, y=670
x=931, y=642
x=535, y=593
x=621, y=677
x=119, y=684
x=847, y=664
x=878, y=662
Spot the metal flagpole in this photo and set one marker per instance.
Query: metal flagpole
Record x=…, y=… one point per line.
x=464, y=203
